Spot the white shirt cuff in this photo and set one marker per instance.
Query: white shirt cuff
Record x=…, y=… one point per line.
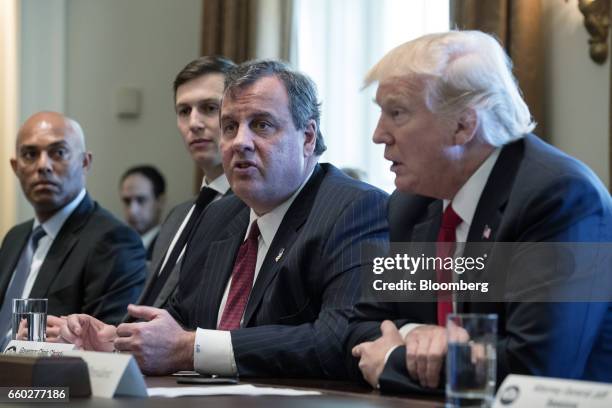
x=213, y=353
x=391, y=350
x=407, y=328
x=404, y=330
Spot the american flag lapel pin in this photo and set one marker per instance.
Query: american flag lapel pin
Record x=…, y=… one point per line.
x=280, y=254
x=486, y=233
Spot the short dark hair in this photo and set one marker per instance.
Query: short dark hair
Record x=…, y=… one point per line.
x=202, y=66
x=151, y=173
x=302, y=91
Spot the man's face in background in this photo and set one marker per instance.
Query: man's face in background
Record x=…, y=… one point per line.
x=142, y=210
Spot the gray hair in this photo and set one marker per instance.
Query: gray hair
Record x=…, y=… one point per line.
x=302, y=91
x=461, y=70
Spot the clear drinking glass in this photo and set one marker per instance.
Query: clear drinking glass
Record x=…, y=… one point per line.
x=29, y=319
x=471, y=360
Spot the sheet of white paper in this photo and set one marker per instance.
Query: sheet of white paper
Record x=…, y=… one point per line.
x=245, y=389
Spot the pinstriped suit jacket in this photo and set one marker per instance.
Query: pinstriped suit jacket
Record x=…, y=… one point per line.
x=296, y=319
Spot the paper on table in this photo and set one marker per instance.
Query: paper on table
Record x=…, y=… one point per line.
x=244, y=389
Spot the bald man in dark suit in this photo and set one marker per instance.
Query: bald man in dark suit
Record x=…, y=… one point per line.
x=74, y=253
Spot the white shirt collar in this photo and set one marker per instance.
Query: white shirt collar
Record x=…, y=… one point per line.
x=269, y=222
x=54, y=224
x=220, y=184
x=148, y=236
x=468, y=196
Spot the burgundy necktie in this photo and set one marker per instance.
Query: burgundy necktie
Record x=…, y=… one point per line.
x=450, y=221
x=242, y=281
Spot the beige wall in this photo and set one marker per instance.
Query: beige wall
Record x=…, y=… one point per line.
x=8, y=109
x=77, y=53
x=577, y=89
x=136, y=43
x=42, y=71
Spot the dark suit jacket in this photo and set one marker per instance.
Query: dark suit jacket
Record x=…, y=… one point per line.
x=296, y=317
x=167, y=232
x=535, y=193
x=96, y=264
x=149, y=250
x=162, y=243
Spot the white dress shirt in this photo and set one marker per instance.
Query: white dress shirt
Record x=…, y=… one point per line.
x=213, y=352
x=148, y=237
x=52, y=227
x=220, y=185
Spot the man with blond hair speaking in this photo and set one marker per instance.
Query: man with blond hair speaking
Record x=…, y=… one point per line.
x=468, y=170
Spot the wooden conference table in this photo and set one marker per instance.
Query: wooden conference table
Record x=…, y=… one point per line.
x=335, y=394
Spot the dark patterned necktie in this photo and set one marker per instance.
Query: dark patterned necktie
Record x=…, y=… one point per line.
x=242, y=281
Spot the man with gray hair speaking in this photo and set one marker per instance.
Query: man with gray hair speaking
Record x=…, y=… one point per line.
x=468, y=170
x=74, y=253
x=271, y=273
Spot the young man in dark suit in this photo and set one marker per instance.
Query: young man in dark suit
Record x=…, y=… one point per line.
x=198, y=89
x=271, y=273
x=468, y=170
x=74, y=253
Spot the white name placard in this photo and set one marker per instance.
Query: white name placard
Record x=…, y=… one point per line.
x=112, y=374
x=522, y=391
x=37, y=349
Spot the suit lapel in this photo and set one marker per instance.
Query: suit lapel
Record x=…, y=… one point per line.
x=164, y=240
x=491, y=205
x=427, y=230
x=168, y=288
x=61, y=247
x=414, y=221
x=424, y=234
x=13, y=252
x=283, y=241
x=221, y=259
x=490, y=210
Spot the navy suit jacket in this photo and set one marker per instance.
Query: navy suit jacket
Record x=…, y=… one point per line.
x=167, y=233
x=296, y=318
x=96, y=264
x=535, y=193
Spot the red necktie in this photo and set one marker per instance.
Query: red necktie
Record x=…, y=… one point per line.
x=450, y=221
x=242, y=281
